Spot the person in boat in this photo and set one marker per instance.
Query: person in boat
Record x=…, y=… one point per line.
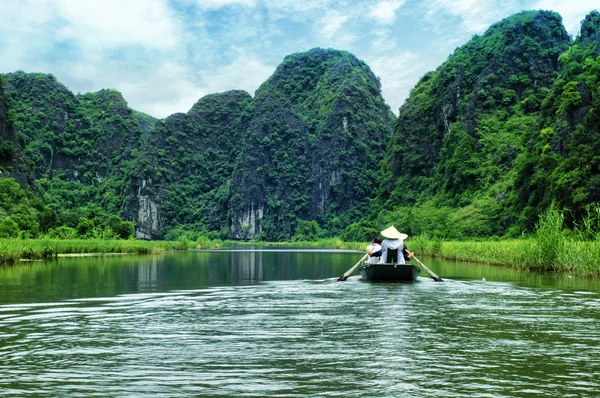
x=393, y=249
x=374, y=251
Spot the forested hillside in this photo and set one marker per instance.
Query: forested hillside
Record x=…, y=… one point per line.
x=475, y=139
x=315, y=136
x=506, y=127
x=293, y=161
x=561, y=163
x=81, y=149
x=182, y=178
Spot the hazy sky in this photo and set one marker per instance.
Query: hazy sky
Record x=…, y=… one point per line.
x=164, y=55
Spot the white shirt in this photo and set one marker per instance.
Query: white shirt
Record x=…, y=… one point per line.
x=374, y=247
x=392, y=244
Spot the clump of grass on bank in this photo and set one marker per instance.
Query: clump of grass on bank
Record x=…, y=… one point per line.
x=14, y=250
x=551, y=248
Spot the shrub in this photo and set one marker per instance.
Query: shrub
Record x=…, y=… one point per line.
x=62, y=233
x=8, y=228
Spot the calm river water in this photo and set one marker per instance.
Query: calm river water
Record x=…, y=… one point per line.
x=276, y=323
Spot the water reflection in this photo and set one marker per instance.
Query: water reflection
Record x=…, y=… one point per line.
x=148, y=275
x=276, y=323
x=246, y=269
x=111, y=275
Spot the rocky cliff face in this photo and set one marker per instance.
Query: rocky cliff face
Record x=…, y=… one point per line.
x=245, y=168
x=446, y=120
x=12, y=161
x=181, y=179
x=81, y=146
x=317, y=131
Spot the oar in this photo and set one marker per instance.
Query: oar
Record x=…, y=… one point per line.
x=351, y=270
x=430, y=272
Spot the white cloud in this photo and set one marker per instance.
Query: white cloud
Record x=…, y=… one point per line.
x=398, y=75
x=216, y=4
x=296, y=10
x=331, y=23
x=246, y=72
x=476, y=15
x=385, y=11
x=108, y=23
x=573, y=12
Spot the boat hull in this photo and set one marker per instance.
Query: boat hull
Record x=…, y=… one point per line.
x=390, y=272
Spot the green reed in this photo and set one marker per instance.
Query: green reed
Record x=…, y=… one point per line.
x=552, y=248
x=14, y=250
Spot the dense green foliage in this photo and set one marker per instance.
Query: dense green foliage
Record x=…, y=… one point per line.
x=316, y=135
x=187, y=163
x=81, y=148
x=506, y=128
x=479, y=141
x=12, y=160
x=24, y=215
x=300, y=153
x=562, y=161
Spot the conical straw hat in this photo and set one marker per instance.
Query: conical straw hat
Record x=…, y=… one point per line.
x=392, y=233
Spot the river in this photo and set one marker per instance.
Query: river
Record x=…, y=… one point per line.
x=276, y=323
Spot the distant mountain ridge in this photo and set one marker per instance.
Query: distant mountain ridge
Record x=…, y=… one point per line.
x=468, y=136
x=506, y=127
x=233, y=166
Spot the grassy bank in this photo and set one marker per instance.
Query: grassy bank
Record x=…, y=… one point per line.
x=557, y=252
x=570, y=256
x=551, y=248
x=14, y=250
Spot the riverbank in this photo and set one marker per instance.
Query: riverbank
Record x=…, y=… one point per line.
x=567, y=256
x=543, y=252
x=14, y=250
x=555, y=253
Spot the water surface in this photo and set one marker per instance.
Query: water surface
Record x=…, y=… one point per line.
x=276, y=323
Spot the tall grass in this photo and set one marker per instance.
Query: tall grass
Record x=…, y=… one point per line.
x=13, y=250
x=552, y=248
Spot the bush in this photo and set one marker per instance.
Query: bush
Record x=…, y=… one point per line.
x=62, y=233
x=8, y=228
x=306, y=231
x=27, y=223
x=122, y=229
x=85, y=228
x=362, y=231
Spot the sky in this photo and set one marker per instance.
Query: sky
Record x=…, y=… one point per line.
x=164, y=55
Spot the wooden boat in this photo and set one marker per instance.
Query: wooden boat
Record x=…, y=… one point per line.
x=390, y=272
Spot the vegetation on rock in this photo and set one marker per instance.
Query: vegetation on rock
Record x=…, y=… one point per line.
x=504, y=130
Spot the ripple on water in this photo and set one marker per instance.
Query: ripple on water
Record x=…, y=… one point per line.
x=307, y=338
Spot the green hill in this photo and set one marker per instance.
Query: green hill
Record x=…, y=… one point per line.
x=505, y=128
x=462, y=137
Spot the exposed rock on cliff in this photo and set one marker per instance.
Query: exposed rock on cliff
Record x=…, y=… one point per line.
x=317, y=131
x=182, y=177
x=12, y=161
